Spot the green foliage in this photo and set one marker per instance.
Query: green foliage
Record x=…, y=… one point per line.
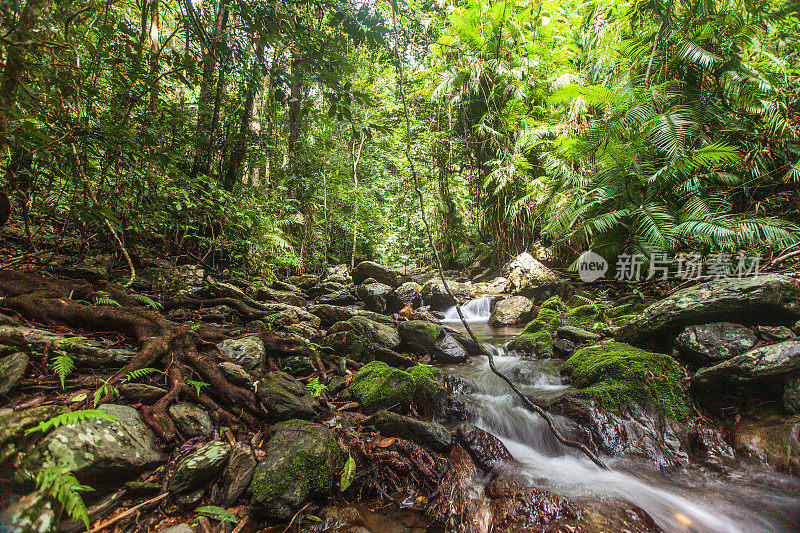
x=63, y=487
x=316, y=387
x=198, y=385
x=104, y=390
x=217, y=513
x=146, y=300
x=348, y=474
x=63, y=364
x=105, y=299
x=70, y=418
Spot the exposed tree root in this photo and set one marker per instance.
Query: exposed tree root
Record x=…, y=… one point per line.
x=184, y=353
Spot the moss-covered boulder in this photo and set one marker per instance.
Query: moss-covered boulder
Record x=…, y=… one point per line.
x=284, y=397
x=300, y=460
x=428, y=338
x=616, y=374
x=380, y=386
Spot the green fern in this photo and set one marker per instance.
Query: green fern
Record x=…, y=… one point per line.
x=140, y=373
x=105, y=299
x=63, y=364
x=63, y=487
x=146, y=300
x=105, y=389
x=70, y=418
x=198, y=385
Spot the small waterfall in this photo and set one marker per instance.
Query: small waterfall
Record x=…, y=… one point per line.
x=476, y=310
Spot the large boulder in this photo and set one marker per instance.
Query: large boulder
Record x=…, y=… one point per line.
x=300, y=460
x=341, y=298
x=710, y=343
x=14, y=423
x=525, y=273
x=774, y=441
x=99, y=452
x=763, y=299
x=380, y=273
x=374, y=296
x=198, y=468
x=376, y=332
x=486, y=450
x=283, y=397
x=511, y=311
x=326, y=287
x=279, y=296
x=12, y=368
x=304, y=281
x=406, y=295
x=337, y=273
x=428, y=338
x=379, y=386
x=782, y=359
x=435, y=295
x=429, y=434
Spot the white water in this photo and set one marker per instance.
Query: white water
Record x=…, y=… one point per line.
x=744, y=499
x=476, y=310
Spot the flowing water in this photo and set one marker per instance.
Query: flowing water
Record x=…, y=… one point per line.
x=747, y=499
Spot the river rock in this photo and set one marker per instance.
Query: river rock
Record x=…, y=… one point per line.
x=326, y=287
x=376, y=332
x=435, y=295
x=775, y=333
x=374, y=296
x=382, y=274
x=12, y=368
x=14, y=423
x=247, y=352
x=283, y=397
x=276, y=295
x=511, y=311
x=33, y=513
x=763, y=299
x=330, y=314
x=100, y=452
x=524, y=272
x=236, y=374
x=304, y=281
x=767, y=361
x=774, y=441
x=429, y=434
x=427, y=338
x=577, y=335
x=300, y=460
x=711, y=343
x=563, y=348
x=407, y=294
x=141, y=393
x=337, y=273
x=285, y=286
x=297, y=365
x=791, y=395
x=486, y=450
x=191, y=420
x=341, y=298
x=378, y=386
x=516, y=507
x=199, y=468
x=238, y=473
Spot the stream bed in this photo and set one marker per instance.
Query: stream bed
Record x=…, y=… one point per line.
x=747, y=498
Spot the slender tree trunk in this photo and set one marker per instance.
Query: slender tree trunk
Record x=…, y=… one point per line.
x=295, y=105
x=239, y=150
x=154, y=36
x=356, y=159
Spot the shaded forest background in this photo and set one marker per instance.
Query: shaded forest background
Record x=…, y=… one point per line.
x=270, y=135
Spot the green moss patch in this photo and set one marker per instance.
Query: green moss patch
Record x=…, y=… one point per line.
x=615, y=374
x=380, y=386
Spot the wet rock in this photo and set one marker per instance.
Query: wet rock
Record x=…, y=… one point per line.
x=511, y=311
x=486, y=450
x=709, y=447
x=382, y=274
x=435, y=295
x=378, y=386
x=14, y=423
x=238, y=473
x=141, y=393
x=563, y=348
x=711, y=343
x=276, y=295
x=341, y=298
x=515, y=506
x=577, y=335
x=338, y=274
x=304, y=281
x=99, y=452
x=407, y=294
x=374, y=296
x=12, y=368
x=330, y=314
x=191, y=420
x=283, y=397
x=538, y=343
x=199, y=468
x=300, y=460
x=780, y=359
x=236, y=374
x=297, y=365
x=494, y=287
x=775, y=333
x=326, y=287
x=376, y=332
x=613, y=514
x=772, y=440
x=285, y=286
x=33, y=513
x=791, y=395
x=247, y=352
x=525, y=272
x=767, y=299
x=429, y=434
x=427, y=338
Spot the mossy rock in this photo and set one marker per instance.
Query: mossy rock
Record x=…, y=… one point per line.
x=538, y=343
x=380, y=386
x=616, y=374
x=300, y=460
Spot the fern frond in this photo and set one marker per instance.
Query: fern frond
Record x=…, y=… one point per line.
x=62, y=486
x=140, y=373
x=63, y=364
x=146, y=300
x=68, y=419
x=105, y=389
x=105, y=300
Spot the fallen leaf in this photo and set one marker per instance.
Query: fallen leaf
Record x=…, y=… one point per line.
x=388, y=441
x=260, y=454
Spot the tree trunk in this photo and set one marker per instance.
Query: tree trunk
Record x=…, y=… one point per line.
x=154, y=37
x=295, y=98
x=239, y=150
